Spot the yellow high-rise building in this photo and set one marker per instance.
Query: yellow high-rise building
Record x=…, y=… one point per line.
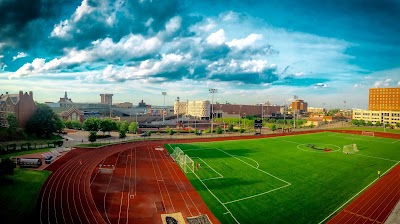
x=384, y=99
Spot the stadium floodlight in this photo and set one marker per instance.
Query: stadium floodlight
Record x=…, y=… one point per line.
x=163, y=113
x=212, y=91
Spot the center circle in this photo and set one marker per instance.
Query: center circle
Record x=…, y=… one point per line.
x=318, y=147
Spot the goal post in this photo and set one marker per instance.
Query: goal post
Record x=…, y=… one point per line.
x=184, y=161
x=368, y=133
x=350, y=149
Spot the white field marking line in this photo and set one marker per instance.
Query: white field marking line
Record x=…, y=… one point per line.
x=54, y=201
x=96, y=173
x=198, y=149
x=79, y=192
x=176, y=184
x=73, y=196
x=395, y=141
x=64, y=171
x=123, y=188
x=105, y=193
x=340, y=207
x=216, y=198
x=162, y=177
x=86, y=197
x=256, y=195
x=129, y=190
x=220, y=175
x=396, y=161
x=155, y=175
x=254, y=167
x=258, y=165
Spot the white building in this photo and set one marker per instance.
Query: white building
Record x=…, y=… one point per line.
x=199, y=108
x=387, y=117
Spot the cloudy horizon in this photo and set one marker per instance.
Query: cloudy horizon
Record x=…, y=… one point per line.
x=327, y=52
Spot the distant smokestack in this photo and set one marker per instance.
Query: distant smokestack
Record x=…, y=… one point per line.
x=21, y=94
x=31, y=94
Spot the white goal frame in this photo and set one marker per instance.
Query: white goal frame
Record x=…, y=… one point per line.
x=350, y=149
x=184, y=161
x=368, y=133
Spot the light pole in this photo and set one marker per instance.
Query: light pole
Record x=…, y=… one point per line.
x=212, y=91
x=240, y=116
x=177, y=112
x=163, y=114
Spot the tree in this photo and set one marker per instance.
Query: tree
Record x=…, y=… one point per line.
x=124, y=125
x=369, y=123
x=133, y=127
x=273, y=127
x=219, y=130
x=398, y=125
x=92, y=136
x=122, y=133
x=355, y=122
x=6, y=168
x=58, y=123
x=43, y=121
x=230, y=127
x=106, y=125
x=12, y=124
x=68, y=124
x=91, y=124
x=378, y=124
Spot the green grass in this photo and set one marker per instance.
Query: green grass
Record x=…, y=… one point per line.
x=375, y=129
x=281, y=180
x=24, y=153
x=18, y=198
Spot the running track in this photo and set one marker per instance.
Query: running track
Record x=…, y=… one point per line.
x=66, y=196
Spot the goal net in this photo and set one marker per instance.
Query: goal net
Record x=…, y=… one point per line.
x=184, y=161
x=368, y=133
x=350, y=149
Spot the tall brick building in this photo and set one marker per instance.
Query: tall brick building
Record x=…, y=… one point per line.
x=299, y=106
x=21, y=105
x=387, y=99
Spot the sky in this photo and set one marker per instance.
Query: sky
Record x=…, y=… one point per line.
x=328, y=53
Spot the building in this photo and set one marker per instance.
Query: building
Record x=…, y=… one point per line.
x=316, y=110
x=384, y=99
x=65, y=101
x=387, y=117
x=21, y=105
x=73, y=114
x=202, y=109
x=124, y=105
x=299, y=107
x=106, y=98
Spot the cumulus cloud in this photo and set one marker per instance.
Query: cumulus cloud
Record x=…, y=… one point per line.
x=20, y=55
x=249, y=41
x=216, y=38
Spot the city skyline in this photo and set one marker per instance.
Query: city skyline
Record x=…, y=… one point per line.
x=327, y=53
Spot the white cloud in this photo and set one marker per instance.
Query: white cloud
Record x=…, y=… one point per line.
x=249, y=41
x=398, y=84
x=20, y=55
x=82, y=10
x=149, y=22
x=1, y=56
x=216, y=38
x=61, y=30
x=239, y=66
x=173, y=24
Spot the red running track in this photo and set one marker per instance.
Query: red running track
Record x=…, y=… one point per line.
x=70, y=194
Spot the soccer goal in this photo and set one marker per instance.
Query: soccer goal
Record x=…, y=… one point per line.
x=368, y=133
x=350, y=149
x=184, y=161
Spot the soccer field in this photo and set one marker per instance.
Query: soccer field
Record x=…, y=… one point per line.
x=283, y=179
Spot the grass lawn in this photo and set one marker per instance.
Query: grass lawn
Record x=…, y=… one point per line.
x=18, y=198
x=281, y=179
x=24, y=153
x=375, y=129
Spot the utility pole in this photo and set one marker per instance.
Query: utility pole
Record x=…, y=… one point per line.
x=163, y=113
x=212, y=91
x=177, y=112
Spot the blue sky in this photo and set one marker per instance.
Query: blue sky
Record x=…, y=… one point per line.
x=325, y=52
